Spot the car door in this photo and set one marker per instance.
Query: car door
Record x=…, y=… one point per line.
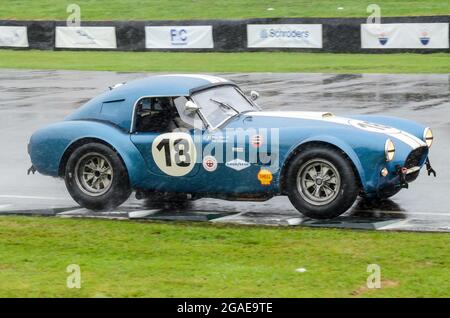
x=168, y=154
x=167, y=151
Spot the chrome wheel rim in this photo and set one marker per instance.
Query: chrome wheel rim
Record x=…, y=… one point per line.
x=318, y=182
x=94, y=174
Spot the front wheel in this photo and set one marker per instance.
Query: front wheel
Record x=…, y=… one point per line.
x=96, y=178
x=321, y=183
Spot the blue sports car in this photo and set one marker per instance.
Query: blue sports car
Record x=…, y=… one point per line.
x=184, y=137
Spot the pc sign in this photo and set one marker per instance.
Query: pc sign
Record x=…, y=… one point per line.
x=179, y=37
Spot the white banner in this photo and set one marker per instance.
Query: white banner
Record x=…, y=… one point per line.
x=404, y=36
x=13, y=36
x=179, y=37
x=284, y=35
x=86, y=37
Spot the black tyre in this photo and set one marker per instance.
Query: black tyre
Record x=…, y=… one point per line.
x=321, y=183
x=96, y=178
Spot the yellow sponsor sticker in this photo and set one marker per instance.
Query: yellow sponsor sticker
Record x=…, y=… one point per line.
x=265, y=177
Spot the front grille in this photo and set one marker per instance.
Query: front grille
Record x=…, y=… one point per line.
x=416, y=157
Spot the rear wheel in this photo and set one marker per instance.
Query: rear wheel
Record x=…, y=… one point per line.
x=96, y=178
x=321, y=183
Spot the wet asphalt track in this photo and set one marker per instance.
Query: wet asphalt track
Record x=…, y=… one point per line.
x=32, y=99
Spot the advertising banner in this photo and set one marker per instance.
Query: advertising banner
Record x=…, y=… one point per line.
x=405, y=36
x=13, y=36
x=284, y=36
x=179, y=37
x=86, y=37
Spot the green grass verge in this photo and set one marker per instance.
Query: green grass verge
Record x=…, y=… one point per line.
x=227, y=62
x=215, y=9
x=134, y=259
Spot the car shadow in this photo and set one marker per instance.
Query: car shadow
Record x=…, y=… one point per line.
x=385, y=208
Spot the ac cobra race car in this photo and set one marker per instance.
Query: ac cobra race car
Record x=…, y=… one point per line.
x=184, y=137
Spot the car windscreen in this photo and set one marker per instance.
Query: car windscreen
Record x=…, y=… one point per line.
x=220, y=103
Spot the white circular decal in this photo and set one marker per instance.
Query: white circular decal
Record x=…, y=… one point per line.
x=174, y=153
x=209, y=163
x=365, y=125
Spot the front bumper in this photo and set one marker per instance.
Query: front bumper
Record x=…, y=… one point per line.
x=403, y=177
x=415, y=160
x=407, y=175
x=402, y=173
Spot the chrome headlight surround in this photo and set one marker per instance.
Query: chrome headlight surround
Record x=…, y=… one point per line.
x=389, y=150
x=428, y=136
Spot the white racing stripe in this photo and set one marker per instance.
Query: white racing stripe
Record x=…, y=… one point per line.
x=409, y=139
x=403, y=136
x=209, y=78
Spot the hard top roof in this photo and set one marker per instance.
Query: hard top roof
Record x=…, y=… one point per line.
x=164, y=85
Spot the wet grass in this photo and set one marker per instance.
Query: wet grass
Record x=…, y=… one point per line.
x=137, y=259
x=226, y=62
x=216, y=9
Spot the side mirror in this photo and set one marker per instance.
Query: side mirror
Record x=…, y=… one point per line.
x=254, y=95
x=190, y=107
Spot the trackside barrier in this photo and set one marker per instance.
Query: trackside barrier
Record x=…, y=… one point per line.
x=425, y=34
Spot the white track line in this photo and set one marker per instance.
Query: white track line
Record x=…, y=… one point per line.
x=142, y=213
x=352, y=213
x=404, y=213
x=394, y=226
x=74, y=211
x=31, y=197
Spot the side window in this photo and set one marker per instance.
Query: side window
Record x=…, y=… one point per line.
x=184, y=119
x=154, y=114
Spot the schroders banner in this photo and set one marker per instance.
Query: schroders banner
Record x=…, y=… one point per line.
x=284, y=36
x=405, y=36
x=86, y=37
x=13, y=36
x=179, y=37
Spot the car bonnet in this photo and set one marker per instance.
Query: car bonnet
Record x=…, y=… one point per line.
x=403, y=136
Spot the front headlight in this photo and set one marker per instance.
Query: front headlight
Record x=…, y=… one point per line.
x=389, y=150
x=428, y=136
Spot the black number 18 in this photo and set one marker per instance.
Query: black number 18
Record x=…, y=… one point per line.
x=179, y=152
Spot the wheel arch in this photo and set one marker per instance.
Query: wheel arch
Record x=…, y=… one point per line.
x=340, y=146
x=80, y=142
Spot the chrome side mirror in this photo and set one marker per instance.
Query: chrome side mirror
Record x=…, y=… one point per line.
x=190, y=107
x=254, y=95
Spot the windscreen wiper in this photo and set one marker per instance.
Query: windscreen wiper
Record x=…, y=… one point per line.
x=224, y=105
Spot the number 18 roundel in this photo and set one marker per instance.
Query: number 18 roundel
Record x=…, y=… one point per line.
x=174, y=153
